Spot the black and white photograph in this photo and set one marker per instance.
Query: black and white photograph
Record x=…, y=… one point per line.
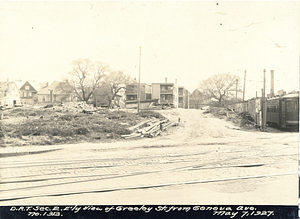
x=186, y=108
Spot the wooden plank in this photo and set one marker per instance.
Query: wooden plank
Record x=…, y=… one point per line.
x=139, y=124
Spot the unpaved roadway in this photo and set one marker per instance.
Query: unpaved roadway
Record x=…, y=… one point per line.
x=204, y=160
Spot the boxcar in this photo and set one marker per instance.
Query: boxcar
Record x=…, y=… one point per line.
x=283, y=111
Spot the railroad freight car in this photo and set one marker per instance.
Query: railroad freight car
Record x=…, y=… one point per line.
x=283, y=111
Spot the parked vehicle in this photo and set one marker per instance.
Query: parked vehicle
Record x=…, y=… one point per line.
x=283, y=111
x=205, y=108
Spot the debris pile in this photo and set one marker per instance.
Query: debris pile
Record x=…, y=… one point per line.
x=77, y=107
x=243, y=119
x=149, y=128
x=246, y=119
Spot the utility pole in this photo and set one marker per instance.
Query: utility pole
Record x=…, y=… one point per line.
x=188, y=95
x=264, y=110
x=244, y=89
x=139, y=88
x=272, y=92
x=236, y=89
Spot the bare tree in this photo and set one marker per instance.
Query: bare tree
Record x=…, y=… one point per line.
x=196, y=98
x=114, y=82
x=217, y=86
x=85, y=77
x=65, y=91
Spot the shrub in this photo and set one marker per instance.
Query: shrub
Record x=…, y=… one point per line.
x=122, y=131
x=117, y=129
x=62, y=131
x=149, y=113
x=97, y=128
x=81, y=131
x=66, y=117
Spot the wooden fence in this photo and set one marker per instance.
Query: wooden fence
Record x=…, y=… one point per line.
x=252, y=106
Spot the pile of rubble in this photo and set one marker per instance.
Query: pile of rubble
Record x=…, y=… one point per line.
x=149, y=128
x=73, y=107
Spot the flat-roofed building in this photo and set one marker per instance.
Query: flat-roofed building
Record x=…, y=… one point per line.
x=167, y=93
x=132, y=91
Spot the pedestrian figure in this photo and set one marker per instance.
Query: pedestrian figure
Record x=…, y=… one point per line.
x=160, y=126
x=177, y=124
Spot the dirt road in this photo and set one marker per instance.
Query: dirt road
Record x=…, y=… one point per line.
x=204, y=160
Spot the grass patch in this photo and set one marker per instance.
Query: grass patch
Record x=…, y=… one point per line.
x=48, y=126
x=149, y=114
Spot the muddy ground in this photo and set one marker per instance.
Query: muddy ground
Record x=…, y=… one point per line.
x=204, y=160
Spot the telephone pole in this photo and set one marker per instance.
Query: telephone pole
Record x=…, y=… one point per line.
x=236, y=89
x=244, y=89
x=264, y=105
x=139, y=87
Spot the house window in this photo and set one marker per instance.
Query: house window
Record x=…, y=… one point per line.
x=168, y=97
x=29, y=94
x=26, y=87
x=180, y=91
x=25, y=94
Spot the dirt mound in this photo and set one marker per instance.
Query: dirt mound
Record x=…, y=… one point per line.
x=200, y=124
x=242, y=120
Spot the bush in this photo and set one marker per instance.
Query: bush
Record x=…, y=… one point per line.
x=122, y=131
x=148, y=113
x=66, y=117
x=97, y=128
x=55, y=131
x=81, y=131
x=117, y=129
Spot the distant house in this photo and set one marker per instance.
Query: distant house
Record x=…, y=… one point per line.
x=57, y=92
x=167, y=93
x=29, y=92
x=183, y=97
x=9, y=94
x=132, y=91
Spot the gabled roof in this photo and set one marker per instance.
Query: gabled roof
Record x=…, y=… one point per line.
x=19, y=83
x=57, y=87
x=36, y=86
x=7, y=85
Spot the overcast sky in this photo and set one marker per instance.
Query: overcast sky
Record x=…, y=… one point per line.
x=187, y=41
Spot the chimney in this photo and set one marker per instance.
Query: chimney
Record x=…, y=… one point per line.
x=7, y=79
x=272, y=83
x=51, y=95
x=166, y=80
x=176, y=81
x=47, y=84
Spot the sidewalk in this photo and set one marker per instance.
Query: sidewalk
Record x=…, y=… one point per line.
x=25, y=150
